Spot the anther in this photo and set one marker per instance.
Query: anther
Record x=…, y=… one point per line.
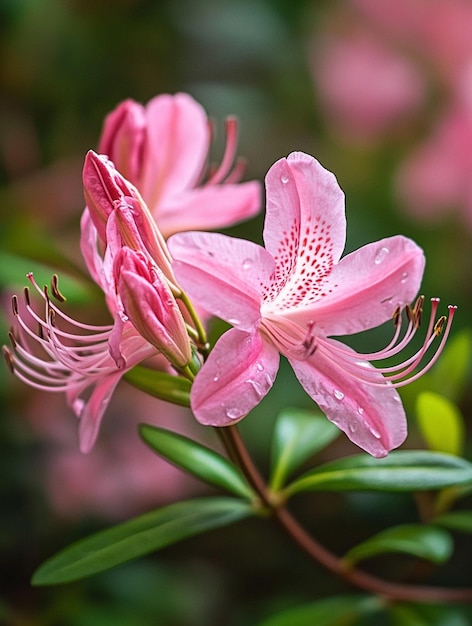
x=8, y=358
x=26, y=294
x=11, y=336
x=418, y=311
x=14, y=305
x=397, y=315
x=52, y=317
x=55, y=289
x=438, y=327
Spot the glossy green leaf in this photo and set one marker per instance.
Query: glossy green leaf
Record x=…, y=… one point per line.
x=196, y=459
x=456, y=520
x=399, y=471
x=140, y=536
x=427, y=615
x=335, y=611
x=440, y=422
x=297, y=436
x=175, y=389
x=451, y=373
x=425, y=542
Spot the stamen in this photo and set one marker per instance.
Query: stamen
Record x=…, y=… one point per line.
x=14, y=305
x=358, y=366
x=8, y=358
x=55, y=289
x=231, y=126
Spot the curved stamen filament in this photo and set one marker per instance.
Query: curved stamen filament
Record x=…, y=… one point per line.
x=357, y=365
x=224, y=169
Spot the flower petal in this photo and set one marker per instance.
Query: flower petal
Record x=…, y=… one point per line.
x=222, y=274
x=213, y=206
x=372, y=417
x=122, y=138
x=93, y=410
x=364, y=289
x=239, y=372
x=305, y=226
x=177, y=143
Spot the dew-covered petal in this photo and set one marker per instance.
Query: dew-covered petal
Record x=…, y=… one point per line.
x=209, y=207
x=176, y=147
x=372, y=417
x=366, y=286
x=239, y=372
x=305, y=226
x=222, y=274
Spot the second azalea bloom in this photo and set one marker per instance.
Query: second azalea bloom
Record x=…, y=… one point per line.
x=162, y=148
x=292, y=296
x=128, y=258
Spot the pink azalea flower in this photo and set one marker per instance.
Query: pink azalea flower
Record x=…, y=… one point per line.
x=291, y=296
x=87, y=361
x=436, y=176
x=162, y=148
x=367, y=88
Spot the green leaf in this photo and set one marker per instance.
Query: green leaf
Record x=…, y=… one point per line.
x=399, y=471
x=440, y=422
x=451, y=373
x=297, y=436
x=425, y=542
x=328, y=612
x=175, y=389
x=456, y=520
x=427, y=615
x=140, y=536
x=196, y=459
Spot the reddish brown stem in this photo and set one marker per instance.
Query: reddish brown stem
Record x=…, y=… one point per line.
x=352, y=575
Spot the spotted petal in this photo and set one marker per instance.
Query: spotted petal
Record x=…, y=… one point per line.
x=372, y=417
x=239, y=372
x=364, y=289
x=305, y=226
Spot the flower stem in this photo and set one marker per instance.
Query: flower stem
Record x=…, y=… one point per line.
x=239, y=454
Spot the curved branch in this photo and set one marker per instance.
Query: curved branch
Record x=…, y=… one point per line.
x=394, y=591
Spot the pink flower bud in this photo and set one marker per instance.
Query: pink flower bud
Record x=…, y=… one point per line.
x=107, y=192
x=149, y=304
x=103, y=186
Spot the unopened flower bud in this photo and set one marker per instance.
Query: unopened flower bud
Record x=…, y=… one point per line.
x=151, y=307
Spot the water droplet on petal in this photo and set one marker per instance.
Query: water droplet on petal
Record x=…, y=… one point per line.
x=404, y=277
x=360, y=410
x=216, y=379
x=257, y=387
x=259, y=367
x=338, y=394
x=234, y=413
x=247, y=264
x=352, y=427
x=375, y=432
x=284, y=179
x=380, y=255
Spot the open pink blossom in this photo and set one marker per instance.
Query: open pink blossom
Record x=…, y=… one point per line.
x=53, y=352
x=162, y=148
x=290, y=296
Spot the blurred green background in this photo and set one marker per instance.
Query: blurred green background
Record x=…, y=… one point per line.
x=64, y=64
